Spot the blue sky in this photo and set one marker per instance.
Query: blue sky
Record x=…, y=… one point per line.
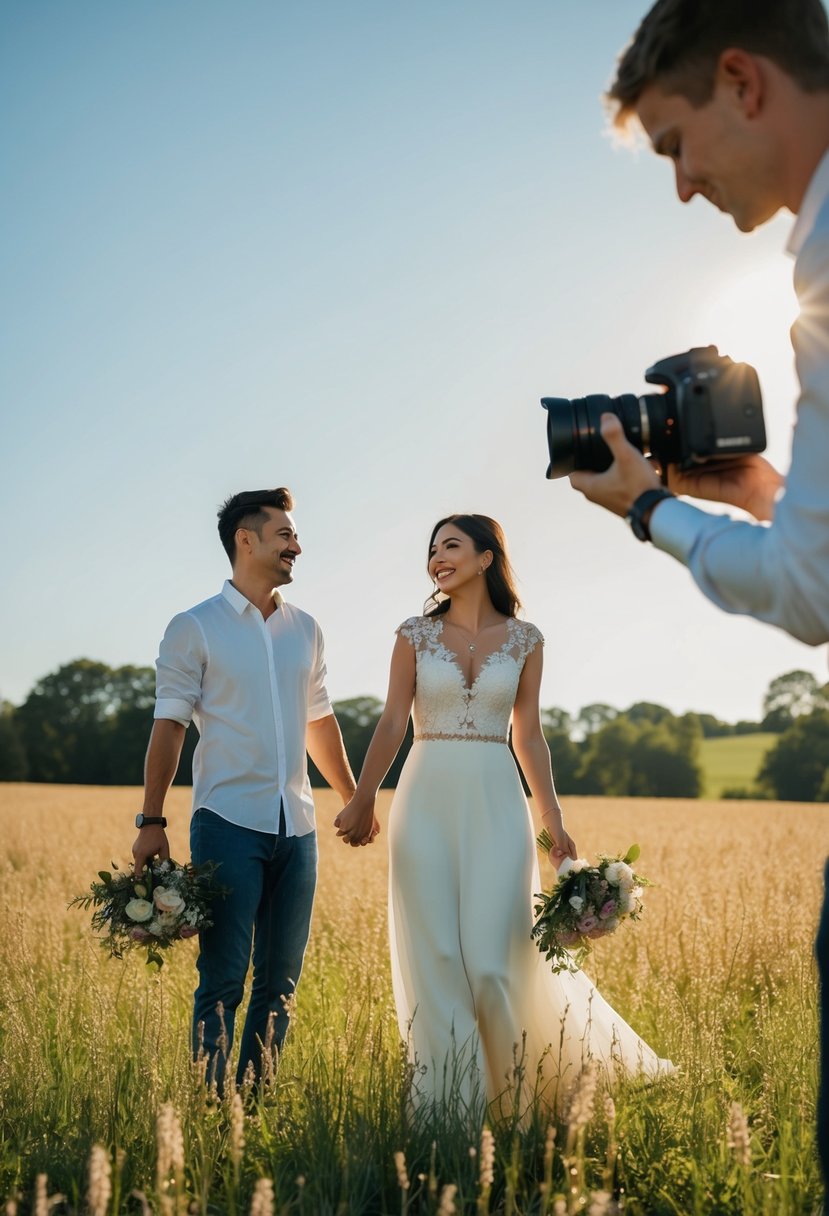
x=347, y=247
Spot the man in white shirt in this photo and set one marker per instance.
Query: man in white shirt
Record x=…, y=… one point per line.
x=249, y=669
x=736, y=94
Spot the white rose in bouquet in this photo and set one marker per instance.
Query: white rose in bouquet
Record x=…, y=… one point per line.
x=168, y=901
x=139, y=909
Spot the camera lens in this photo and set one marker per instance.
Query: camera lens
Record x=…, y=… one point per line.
x=573, y=430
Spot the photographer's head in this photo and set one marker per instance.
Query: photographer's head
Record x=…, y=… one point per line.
x=736, y=93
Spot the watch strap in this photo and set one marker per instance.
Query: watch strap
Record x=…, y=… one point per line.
x=146, y=821
x=640, y=512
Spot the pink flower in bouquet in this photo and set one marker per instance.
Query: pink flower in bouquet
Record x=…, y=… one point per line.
x=188, y=931
x=607, y=909
x=587, y=923
x=140, y=935
x=568, y=937
x=595, y=934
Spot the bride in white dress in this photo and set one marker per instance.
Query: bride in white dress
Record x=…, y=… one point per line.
x=474, y=996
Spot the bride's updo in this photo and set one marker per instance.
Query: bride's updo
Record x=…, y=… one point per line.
x=485, y=533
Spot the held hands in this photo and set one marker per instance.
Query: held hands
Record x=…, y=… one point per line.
x=151, y=841
x=749, y=482
x=357, y=823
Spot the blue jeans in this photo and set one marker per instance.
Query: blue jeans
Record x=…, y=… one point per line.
x=822, y=953
x=272, y=880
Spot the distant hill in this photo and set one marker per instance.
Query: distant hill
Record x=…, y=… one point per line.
x=732, y=760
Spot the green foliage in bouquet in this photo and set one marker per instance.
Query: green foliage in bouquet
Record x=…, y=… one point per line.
x=164, y=904
x=586, y=903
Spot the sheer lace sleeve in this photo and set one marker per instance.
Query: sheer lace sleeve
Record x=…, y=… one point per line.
x=531, y=637
x=421, y=631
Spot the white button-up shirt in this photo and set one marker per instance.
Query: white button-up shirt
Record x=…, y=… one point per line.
x=780, y=572
x=251, y=685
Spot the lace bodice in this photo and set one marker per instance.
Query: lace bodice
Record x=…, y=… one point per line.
x=444, y=705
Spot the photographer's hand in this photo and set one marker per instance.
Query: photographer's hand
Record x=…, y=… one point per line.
x=749, y=482
x=629, y=476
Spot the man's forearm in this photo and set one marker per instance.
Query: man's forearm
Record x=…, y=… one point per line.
x=324, y=744
x=161, y=763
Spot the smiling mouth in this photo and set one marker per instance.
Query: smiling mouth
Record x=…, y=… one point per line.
x=442, y=574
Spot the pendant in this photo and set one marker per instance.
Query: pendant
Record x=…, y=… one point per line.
x=471, y=645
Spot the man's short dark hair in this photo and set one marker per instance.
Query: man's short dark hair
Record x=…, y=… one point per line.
x=246, y=510
x=679, y=42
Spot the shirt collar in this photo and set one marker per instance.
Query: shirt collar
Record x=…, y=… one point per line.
x=816, y=194
x=240, y=602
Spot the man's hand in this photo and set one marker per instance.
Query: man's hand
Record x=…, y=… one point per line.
x=151, y=841
x=357, y=823
x=749, y=482
x=629, y=476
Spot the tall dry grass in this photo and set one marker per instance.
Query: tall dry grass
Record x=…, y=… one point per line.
x=101, y=1111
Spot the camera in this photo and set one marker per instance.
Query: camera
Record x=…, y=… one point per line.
x=711, y=409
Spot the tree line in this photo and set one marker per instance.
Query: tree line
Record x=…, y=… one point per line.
x=88, y=724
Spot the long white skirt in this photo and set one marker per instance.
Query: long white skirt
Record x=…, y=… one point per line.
x=483, y=1013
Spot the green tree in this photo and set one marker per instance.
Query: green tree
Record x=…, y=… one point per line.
x=648, y=711
x=13, y=763
x=643, y=759
x=788, y=696
x=796, y=769
x=593, y=717
x=79, y=722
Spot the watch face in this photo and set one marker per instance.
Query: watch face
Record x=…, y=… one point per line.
x=139, y=820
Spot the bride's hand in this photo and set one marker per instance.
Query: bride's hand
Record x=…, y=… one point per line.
x=356, y=823
x=563, y=846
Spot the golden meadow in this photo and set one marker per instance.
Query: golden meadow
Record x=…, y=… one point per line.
x=102, y=1111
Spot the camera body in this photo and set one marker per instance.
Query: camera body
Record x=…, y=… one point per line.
x=711, y=409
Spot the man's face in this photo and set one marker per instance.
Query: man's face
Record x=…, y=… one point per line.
x=718, y=150
x=276, y=550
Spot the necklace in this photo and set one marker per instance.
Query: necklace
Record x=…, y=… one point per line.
x=471, y=647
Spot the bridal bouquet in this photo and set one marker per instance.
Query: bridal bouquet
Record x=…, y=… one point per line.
x=164, y=904
x=586, y=903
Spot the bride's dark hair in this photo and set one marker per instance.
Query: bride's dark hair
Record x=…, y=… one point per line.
x=485, y=533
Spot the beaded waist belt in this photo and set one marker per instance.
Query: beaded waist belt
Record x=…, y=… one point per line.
x=462, y=738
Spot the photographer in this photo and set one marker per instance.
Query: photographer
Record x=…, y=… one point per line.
x=736, y=94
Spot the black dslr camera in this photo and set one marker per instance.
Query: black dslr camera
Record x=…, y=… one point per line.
x=711, y=409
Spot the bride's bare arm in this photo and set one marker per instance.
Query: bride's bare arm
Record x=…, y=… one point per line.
x=534, y=755
x=355, y=821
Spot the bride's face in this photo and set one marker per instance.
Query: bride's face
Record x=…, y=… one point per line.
x=453, y=559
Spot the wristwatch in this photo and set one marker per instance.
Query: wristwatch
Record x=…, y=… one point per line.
x=639, y=515
x=146, y=821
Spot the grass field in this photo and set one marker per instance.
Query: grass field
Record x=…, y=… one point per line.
x=732, y=761
x=718, y=976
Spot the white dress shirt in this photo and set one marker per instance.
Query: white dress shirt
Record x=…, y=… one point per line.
x=251, y=685
x=779, y=572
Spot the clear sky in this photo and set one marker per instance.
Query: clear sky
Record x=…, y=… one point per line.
x=347, y=247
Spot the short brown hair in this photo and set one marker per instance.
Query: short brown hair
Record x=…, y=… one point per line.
x=245, y=510
x=679, y=42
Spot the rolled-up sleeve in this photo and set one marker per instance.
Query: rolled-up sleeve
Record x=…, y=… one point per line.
x=319, y=703
x=182, y=657
x=778, y=573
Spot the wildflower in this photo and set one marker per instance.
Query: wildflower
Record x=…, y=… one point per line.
x=402, y=1175
x=170, y=1160
x=237, y=1129
x=41, y=1202
x=737, y=1135
x=100, y=1181
x=582, y=1099
x=447, y=1200
x=262, y=1200
x=487, y=1168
